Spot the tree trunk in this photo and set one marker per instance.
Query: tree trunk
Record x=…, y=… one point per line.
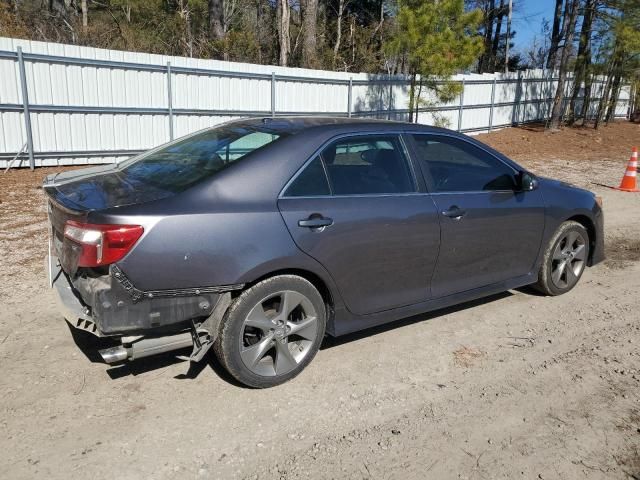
x=352, y=28
x=336, y=47
x=127, y=12
x=309, y=12
x=571, y=16
x=284, y=42
x=583, y=60
x=412, y=92
x=496, y=38
x=258, y=30
x=586, y=97
x=613, y=102
x=85, y=20
x=216, y=19
x=489, y=16
x=604, y=99
x=417, y=101
x=555, y=35
x=613, y=68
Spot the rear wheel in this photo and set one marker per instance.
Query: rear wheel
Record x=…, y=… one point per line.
x=564, y=259
x=272, y=331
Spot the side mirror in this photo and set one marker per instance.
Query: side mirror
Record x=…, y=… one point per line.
x=526, y=182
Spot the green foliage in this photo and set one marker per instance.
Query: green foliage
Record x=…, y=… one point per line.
x=627, y=34
x=436, y=39
x=437, y=36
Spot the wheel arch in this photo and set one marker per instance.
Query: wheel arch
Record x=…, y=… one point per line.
x=589, y=225
x=318, y=282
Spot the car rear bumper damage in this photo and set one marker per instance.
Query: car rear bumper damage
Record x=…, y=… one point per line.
x=147, y=323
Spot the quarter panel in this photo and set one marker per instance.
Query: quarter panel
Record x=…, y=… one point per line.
x=192, y=250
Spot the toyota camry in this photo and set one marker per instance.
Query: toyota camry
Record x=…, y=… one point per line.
x=257, y=238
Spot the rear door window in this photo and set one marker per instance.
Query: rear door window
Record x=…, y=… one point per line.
x=372, y=164
x=310, y=182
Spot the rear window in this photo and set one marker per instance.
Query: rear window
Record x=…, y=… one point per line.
x=181, y=165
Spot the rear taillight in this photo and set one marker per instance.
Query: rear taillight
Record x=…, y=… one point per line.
x=102, y=244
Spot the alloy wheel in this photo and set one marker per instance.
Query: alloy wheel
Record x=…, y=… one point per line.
x=278, y=333
x=568, y=260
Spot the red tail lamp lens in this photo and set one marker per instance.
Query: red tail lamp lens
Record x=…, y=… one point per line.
x=102, y=244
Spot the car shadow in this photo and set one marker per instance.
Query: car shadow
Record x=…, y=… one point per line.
x=89, y=345
x=330, y=342
x=145, y=365
x=156, y=362
x=529, y=290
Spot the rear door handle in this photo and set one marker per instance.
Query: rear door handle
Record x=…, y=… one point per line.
x=454, y=212
x=315, y=222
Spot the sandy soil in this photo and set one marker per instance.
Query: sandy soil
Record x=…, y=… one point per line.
x=513, y=386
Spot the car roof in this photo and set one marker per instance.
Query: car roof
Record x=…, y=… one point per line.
x=268, y=169
x=296, y=124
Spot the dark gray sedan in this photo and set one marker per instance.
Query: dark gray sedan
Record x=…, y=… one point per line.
x=259, y=237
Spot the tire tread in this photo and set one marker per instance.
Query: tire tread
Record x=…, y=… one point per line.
x=221, y=346
x=544, y=284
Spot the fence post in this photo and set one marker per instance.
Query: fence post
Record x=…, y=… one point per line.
x=461, y=109
x=170, y=100
x=25, y=108
x=273, y=94
x=493, y=98
x=349, y=94
x=518, y=97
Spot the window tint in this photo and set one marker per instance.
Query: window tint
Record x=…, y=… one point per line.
x=458, y=166
x=182, y=164
x=311, y=182
x=239, y=148
x=367, y=165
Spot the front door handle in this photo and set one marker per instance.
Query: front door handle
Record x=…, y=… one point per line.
x=315, y=222
x=454, y=212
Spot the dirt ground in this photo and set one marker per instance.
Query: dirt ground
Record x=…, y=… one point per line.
x=513, y=386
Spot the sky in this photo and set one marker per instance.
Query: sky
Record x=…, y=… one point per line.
x=527, y=20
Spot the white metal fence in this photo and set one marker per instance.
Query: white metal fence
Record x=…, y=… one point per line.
x=65, y=104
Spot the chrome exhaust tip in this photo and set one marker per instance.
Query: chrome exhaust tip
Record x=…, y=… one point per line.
x=114, y=354
x=140, y=347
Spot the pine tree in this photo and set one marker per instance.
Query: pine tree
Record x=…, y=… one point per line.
x=437, y=39
x=622, y=50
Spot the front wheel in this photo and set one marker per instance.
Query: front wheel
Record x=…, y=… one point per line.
x=564, y=259
x=271, y=331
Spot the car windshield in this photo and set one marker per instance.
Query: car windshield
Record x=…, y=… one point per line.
x=184, y=163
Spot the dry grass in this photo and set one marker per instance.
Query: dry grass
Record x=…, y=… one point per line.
x=467, y=356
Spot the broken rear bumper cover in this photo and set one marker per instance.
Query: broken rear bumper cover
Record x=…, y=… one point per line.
x=109, y=305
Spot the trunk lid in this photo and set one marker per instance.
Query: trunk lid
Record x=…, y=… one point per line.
x=101, y=188
x=65, y=251
x=73, y=194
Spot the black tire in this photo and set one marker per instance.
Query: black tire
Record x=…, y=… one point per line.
x=239, y=334
x=552, y=281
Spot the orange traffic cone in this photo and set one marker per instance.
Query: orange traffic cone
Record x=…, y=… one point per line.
x=628, y=183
